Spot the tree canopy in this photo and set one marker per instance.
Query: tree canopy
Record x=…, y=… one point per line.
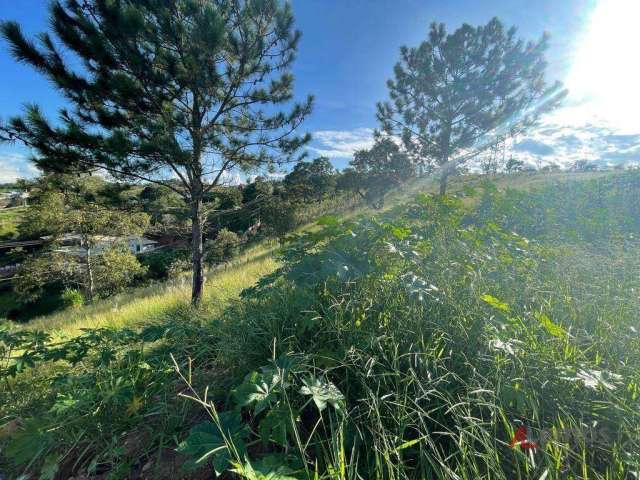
x=98, y=261
x=311, y=180
x=372, y=173
x=456, y=94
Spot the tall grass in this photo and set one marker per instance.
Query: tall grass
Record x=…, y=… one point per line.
x=412, y=345
x=150, y=304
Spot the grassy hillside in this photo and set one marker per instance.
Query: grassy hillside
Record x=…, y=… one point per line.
x=146, y=305
x=410, y=345
x=9, y=220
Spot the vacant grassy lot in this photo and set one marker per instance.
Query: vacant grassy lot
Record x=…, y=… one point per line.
x=410, y=345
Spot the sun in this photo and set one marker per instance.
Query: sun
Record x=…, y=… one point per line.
x=605, y=73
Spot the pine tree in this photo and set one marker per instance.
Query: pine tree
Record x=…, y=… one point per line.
x=456, y=94
x=174, y=92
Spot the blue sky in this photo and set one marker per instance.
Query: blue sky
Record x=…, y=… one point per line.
x=347, y=53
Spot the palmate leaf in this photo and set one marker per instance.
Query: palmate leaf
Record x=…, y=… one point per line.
x=259, y=390
x=276, y=425
x=323, y=392
x=271, y=467
x=210, y=442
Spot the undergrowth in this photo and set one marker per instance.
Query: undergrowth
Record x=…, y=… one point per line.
x=420, y=344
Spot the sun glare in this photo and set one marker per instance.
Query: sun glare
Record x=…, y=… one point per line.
x=605, y=74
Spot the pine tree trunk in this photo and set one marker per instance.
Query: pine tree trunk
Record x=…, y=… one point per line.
x=197, y=251
x=445, y=167
x=90, y=282
x=443, y=182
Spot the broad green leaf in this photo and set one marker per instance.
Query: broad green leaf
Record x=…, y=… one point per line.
x=271, y=467
x=207, y=442
x=275, y=425
x=323, y=393
x=258, y=390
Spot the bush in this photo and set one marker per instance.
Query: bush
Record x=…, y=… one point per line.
x=412, y=348
x=222, y=248
x=72, y=298
x=159, y=262
x=279, y=217
x=178, y=267
x=405, y=347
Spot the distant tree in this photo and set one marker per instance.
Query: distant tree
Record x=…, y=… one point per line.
x=99, y=262
x=493, y=157
x=259, y=188
x=372, y=173
x=456, y=94
x=279, y=217
x=171, y=92
x=583, y=166
x=311, y=180
x=550, y=167
x=514, y=165
x=169, y=216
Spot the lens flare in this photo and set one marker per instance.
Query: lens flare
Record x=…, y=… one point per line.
x=605, y=74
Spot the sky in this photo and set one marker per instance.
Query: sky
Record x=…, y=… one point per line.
x=349, y=47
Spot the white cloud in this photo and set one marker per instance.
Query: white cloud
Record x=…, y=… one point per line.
x=341, y=143
x=268, y=176
x=14, y=166
x=564, y=144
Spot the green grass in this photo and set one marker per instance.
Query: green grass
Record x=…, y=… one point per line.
x=406, y=346
x=147, y=305
x=9, y=221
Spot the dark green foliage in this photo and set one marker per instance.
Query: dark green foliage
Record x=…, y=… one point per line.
x=514, y=165
x=311, y=180
x=159, y=263
x=99, y=261
x=594, y=210
x=438, y=335
x=223, y=247
x=374, y=172
x=259, y=188
x=280, y=217
x=184, y=89
x=401, y=347
x=456, y=94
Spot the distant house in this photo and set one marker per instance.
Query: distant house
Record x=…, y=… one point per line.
x=70, y=243
x=14, y=199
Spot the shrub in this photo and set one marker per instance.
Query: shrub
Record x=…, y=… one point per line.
x=159, y=262
x=72, y=298
x=222, y=248
x=279, y=217
x=178, y=267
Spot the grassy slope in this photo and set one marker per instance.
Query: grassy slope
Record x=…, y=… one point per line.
x=145, y=305
x=9, y=220
x=155, y=303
